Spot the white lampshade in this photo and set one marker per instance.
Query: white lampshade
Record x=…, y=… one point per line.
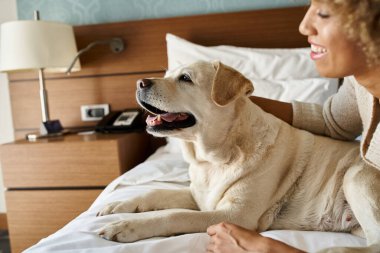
x=27, y=45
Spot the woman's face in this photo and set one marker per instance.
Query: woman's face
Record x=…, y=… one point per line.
x=335, y=55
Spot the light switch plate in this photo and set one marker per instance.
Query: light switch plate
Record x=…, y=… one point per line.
x=94, y=112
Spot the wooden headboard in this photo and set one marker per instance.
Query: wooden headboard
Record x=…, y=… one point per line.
x=110, y=78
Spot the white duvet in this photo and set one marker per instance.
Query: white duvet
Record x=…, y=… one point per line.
x=164, y=169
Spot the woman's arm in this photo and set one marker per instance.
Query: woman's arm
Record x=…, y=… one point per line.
x=279, y=109
x=338, y=117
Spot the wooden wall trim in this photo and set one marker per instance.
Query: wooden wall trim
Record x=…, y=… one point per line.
x=67, y=95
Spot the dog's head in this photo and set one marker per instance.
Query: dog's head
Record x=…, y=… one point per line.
x=191, y=98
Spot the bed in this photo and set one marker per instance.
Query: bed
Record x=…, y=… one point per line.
x=263, y=45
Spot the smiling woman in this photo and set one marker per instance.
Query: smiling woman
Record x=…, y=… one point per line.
x=347, y=51
x=361, y=22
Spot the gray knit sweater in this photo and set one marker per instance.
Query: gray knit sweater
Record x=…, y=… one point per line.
x=347, y=114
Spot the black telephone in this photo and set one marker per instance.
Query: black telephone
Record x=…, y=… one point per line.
x=121, y=121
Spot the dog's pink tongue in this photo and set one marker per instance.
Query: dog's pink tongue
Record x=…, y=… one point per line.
x=168, y=117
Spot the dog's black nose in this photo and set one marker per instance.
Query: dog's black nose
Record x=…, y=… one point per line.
x=144, y=83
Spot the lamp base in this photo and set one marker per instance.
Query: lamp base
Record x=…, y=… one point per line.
x=50, y=128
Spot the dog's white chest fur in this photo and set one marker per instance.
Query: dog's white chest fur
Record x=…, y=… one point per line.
x=208, y=185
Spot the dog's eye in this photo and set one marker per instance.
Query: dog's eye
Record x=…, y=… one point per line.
x=185, y=78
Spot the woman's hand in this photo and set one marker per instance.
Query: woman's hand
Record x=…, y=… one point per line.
x=226, y=238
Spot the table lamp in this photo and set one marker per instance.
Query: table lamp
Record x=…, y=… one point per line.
x=43, y=46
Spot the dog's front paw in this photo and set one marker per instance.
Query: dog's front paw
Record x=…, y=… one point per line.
x=119, y=207
x=123, y=231
x=109, y=208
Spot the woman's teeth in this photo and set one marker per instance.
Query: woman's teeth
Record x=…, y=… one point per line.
x=319, y=50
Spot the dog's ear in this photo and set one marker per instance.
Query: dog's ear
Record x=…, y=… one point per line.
x=228, y=84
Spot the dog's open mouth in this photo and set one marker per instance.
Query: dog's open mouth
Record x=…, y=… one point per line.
x=161, y=120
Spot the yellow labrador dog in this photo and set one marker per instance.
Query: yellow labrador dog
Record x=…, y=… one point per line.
x=246, y=166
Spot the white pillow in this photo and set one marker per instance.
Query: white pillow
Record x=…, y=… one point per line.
x=312, y=90
x=281, y=74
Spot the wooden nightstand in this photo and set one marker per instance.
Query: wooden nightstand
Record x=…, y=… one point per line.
x=51, y=181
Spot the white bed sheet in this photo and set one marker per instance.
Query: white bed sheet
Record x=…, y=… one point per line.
x=164, y=169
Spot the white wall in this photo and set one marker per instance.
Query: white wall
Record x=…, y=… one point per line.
x=8, y=12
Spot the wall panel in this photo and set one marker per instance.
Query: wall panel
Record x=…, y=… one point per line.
x=65, y=97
